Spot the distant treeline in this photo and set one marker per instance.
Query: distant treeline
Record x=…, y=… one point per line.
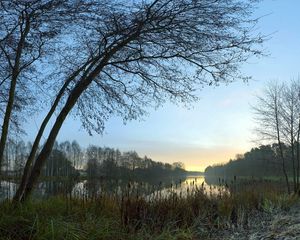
x=69, y=159
x=258, y=162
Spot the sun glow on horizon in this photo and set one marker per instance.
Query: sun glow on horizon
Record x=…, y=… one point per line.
x=198, y=159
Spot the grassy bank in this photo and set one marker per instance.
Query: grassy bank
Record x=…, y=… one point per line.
x=133, y=217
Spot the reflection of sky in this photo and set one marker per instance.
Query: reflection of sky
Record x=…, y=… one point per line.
x=188, y=186
x=219, y=125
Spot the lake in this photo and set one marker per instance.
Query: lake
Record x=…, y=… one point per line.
x=87, y=189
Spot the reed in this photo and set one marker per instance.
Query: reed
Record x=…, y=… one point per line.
x=133, y=213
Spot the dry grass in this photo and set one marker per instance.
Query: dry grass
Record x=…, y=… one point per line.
x=134, y=216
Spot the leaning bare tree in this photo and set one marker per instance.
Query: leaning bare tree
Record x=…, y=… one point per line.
x=71, y=14
x=137, y=55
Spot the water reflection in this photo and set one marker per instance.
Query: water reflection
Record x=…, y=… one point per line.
x=94, y=188
x=7, y=189
x=190, y=185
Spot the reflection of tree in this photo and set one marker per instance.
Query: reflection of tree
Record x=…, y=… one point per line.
x=55, y=187
x=212, y=180
x=92, y=187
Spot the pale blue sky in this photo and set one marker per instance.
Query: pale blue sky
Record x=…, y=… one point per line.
x=219, y=125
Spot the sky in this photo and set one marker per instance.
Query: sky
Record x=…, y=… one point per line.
x=220, y=125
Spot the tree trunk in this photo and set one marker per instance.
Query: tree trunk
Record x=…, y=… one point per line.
x=11, y=97
x=42, y=157
x=47, y=148
x=8, y=111
x=293, y=149
x=294, y=167
x=298, y=155
x=80, y=87
x=280, y=148
x=40, y=133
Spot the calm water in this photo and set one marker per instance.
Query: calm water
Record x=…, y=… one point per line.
x=190, y=185
x=89, y=189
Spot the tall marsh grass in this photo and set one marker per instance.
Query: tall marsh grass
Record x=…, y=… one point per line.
x=195, y=213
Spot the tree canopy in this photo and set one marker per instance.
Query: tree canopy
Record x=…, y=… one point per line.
x=119, y=58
